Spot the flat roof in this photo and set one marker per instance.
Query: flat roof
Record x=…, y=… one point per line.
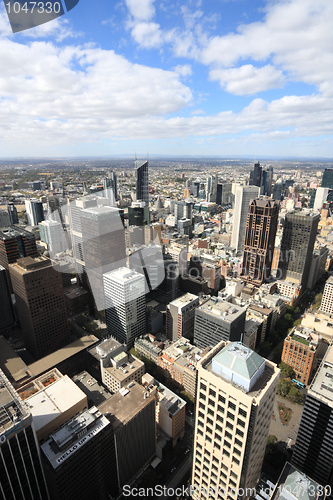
x=94, y=391
x=11, y=363
x=124, y=408
x=222, y=309
x=127, y=367
x=12, y=409
x=184, y=300
x=123, y=274
x=66, y=352
x=295, y=485
x=322, y=384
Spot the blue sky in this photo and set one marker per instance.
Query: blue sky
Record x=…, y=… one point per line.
x=214, y=77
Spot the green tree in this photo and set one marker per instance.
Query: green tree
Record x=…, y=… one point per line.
x=283, y=387
x=286, y=370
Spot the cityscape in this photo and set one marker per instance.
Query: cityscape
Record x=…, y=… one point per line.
x=166, y=329
x=166, y=250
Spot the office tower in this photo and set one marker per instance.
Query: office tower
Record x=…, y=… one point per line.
x=132, y=413
x=15, y=244
x=261, y=226
x=256, y=176
x=79, y=458
x=243, y=196
x=21, y=473
x=268, y=183
x=183, y=209
x=51, y=232
x=4, y=218
x=211, y=188
x=180, y=317
x=217, y=320
x=110, y=189
x=12, y=212
x=326, y=305
x=224, y=194
x=103, y=245
x=35, y=213
x=277, y=190
x=322, y=195
x=138, y=214
x=124, y=291
x=313, y=451
x=40, y=305
x=118, y=368
x=327, y=180
x=235, y=397
x=7, y=318
x=298, y=239
x=142, y=183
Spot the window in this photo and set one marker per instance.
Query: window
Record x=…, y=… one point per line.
x=240, y=433
x=210, y=411
x=226, y=453
x=217, y=436
x=202, y=406
x=211, y=402
x=242, y=412
x=212, y=393
x=203, y=387
x=237, y=441
x=240, y=422
x=228, y=435
x=220, y=408
x=231, y=405
x=237, y=451
x=229, y=425
x=221, y=399
x=210, y=421
x=217, y=446
x=218, y=428
x=208, y=439
x=227, y=444
x=230, y=415
x=234, y=459
x=202, y=396
x=219, y=418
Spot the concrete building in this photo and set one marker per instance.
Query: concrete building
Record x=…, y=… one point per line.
x=259, y=241
x=40, y=305
x=125, y=305
x=132, y=414
x=53, y=399
x=326, y=305
x=303, y=351
x=79, y=458
x=235, y=398
x=7, y=318
x=180, y=317
x=12, y=212
x=313, y=451
x=16, y=243
x=318, y=265
x=170, y=409
x=138, y=214
x=35, y=213
x=243, y=196
x=118, y=368
x=299, y=235
x=4, y=218
x=295, y=485
x=217, y=320
x=21, y=475
x=51, y=233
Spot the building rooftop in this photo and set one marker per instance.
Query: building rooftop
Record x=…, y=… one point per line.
x=184, y=300
x=123, y=275
x=13, y=366
x=12, y=409
x=94, y=391
x=240, y=359
x=125, y=404
x=48, y=362
x=295, y=485
x=126, y=364
x=74, y=434
x=322, y=384
x=222, y=309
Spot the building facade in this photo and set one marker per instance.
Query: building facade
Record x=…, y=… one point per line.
x=142, y=183
x=243, y=196
x=180, y=317
x=326, y=305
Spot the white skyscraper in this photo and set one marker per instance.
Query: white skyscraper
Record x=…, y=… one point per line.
x=235, y=396
x=243, y=196
x=124, y=291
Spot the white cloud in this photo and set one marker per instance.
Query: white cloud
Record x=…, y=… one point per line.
x=147, y=35
x=183, y=69
x=248, y=79
x=142, y=10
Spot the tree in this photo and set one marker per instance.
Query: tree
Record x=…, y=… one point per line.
x=283, y=387
x=286, y=371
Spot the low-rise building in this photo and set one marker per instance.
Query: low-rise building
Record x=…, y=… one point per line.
x=180, y=317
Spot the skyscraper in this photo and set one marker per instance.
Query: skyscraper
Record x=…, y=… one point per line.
x=15, y=244
x=180, y=317
x=35, y=211
x=211, y=188
x=313, y=451
x=256, y=176
x=103, y=245
x=40, y=305
x=7, y=312
x=110, y=188
x=260, y=234
x=298, y=239
x=234, y=403
x=124, y=291
x=12, y=212
x=243, y=196
x=142, y=183
x=21, y=473
x=326, y=305
x=51, y=232
x=327, y=180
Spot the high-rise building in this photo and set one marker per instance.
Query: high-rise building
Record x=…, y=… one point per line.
x=243, y=196
x=103, y=245
x=183, y=209
x=124, y=291
x=326, y=305
x=224, y=194
x=21, y=473
x=256, y=176
x=15, y=244
x=7, y=318
x=51, y=233
x=217, y=320
x=142, y=183
x=35, y=213
x=211, y=188
x=4, y=218
x=12, y=212
x=138, y=214
x=298, y=239
x=327, y=180
x=180, y=317
x=79, y=458
x=259, y=241
x=110, y=188
x=40, y=305
x=234, y=404
x=313, y=451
